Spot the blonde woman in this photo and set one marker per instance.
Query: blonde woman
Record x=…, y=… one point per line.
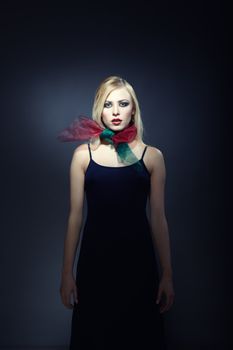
x=119, y=296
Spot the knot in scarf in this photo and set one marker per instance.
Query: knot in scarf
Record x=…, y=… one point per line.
x=84, y=128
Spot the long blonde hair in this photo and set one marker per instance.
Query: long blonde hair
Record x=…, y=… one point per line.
x=105, y=88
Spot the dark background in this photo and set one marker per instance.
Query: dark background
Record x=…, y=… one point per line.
x=177, y=57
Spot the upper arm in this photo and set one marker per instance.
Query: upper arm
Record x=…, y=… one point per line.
x=158, y=177
x=77, y=176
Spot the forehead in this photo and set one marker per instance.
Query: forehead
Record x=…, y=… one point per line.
x=119, y=94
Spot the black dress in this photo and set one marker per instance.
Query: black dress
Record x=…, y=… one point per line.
x=117, y=277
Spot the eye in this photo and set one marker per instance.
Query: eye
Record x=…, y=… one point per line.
x=124, y=104
x=107, y=104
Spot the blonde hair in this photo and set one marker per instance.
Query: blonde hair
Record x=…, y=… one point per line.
x=105, y=88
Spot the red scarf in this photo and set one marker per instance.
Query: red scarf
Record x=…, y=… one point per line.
x=83, y=128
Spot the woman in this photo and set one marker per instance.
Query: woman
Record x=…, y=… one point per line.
x=118, y=296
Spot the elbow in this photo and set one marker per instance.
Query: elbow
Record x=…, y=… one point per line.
x=76, y=212
x=75, y=217
x=158, y=221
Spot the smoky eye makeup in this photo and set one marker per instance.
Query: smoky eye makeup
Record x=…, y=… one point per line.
x=107, y=104
x=122, y=103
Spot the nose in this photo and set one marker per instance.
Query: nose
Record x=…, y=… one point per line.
x=115, y=109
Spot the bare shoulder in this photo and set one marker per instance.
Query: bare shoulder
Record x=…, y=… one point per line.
x=80, y=156
x=154, y=152
x=154, y=159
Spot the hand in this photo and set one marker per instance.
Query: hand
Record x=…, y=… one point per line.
x=68, y=288
x=166, y=287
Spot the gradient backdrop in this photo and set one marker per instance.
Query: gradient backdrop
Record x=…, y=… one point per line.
x=177, y=58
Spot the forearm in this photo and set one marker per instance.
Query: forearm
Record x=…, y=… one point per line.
x=161, y=241
x=71, y=242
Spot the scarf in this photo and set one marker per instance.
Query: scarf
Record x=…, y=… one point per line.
x=83, y=128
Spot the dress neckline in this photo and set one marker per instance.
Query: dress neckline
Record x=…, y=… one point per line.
x=113, y=167
x=118, y=167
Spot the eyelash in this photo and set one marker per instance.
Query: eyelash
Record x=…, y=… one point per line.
x=106, y=105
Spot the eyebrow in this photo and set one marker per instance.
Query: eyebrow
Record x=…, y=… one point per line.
x=125, y=99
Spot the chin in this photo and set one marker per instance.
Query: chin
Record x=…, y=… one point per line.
x=117, y=127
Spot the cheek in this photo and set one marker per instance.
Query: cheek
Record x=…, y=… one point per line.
x=105, y=113
x=127, y=111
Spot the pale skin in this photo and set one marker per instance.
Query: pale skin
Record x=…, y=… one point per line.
x=118, y=105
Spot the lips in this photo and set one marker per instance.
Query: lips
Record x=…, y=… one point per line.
x=116, y=120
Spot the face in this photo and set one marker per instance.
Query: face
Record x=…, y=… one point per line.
x=118, y=105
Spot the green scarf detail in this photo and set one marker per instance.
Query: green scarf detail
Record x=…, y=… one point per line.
x=123, y=150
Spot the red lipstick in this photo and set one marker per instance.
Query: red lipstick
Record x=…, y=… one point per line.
x=116, y=120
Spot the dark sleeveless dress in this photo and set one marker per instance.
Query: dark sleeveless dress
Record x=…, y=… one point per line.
x=117, y=277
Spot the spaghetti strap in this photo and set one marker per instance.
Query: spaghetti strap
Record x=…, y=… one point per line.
x=143, y=152
x=89, y=150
